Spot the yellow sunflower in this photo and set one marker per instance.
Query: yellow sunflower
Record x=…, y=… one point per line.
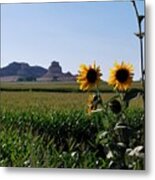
x=121, y=76
x=88, y=76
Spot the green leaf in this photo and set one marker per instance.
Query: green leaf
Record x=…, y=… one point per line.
x=132, y=93
x=102, y=137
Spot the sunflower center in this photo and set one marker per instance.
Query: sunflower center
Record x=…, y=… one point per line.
x=91, y=76
x=122, y=75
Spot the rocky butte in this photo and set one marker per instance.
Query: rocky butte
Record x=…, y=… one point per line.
x=24, y=72
x=55, y=73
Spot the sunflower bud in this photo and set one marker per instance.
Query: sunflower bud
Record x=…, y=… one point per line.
x=115, y=106
x=93, y=102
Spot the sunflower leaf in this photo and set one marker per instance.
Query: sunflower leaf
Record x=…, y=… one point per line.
x=132, y=93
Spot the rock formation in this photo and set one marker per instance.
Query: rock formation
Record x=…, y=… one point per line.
x=55, y=73
x=24, y=72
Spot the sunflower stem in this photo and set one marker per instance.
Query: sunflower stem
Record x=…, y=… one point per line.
x=98, y=91
x=98, y=94
x=141, y=48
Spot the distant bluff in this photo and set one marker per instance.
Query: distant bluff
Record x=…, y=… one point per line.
x=55, y=73
x=16, y=71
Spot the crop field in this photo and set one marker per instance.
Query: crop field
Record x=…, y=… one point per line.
x=53, y=86
x=52, y=101
x=47, y=125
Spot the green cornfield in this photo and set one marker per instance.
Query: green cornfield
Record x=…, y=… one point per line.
x=47, y=125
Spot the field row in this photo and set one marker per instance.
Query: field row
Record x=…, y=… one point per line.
x=48, y=101
x=54, y=86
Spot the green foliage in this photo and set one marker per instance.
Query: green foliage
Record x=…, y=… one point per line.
x=132, y=93
x=70, y=139
x=40, y=129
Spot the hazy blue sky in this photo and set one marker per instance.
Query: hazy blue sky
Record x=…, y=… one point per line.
x=71, y=33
